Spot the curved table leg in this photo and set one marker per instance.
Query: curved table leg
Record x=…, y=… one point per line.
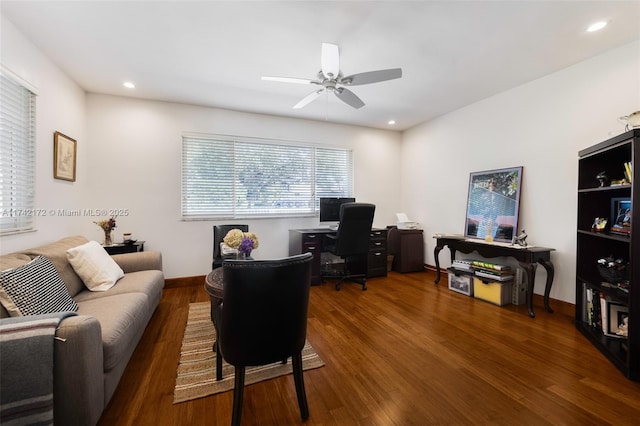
x=548, y=266
x=530, y=271
x=436, y=252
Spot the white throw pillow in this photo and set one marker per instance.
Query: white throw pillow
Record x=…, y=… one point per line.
x=94, y=266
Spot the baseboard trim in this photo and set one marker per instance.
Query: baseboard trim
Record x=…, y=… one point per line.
x=184, y=281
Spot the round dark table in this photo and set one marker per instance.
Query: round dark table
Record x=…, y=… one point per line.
x=213, y=286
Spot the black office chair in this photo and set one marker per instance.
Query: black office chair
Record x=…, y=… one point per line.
x=351, y=242
x=219, y=232
x=263, y=319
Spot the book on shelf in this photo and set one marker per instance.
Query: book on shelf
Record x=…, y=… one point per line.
x=595, y=319
x=628, y=171
x=462, y=264
x=603, y=313
x=490, y=266
x=494, y=277
x=620, y=230
x=588, y=309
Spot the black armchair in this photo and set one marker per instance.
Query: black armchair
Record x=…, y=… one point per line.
x=219, y=232
x=351, y=242
x=263, y=319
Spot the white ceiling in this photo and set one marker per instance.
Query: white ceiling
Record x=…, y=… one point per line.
x=213, y=53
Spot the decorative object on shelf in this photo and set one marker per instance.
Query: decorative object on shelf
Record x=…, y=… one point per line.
x=64, y=157
x=623, y=329
x=613, y=270
x=239, y=242
x=599, y=224
x=126, y=237
x=107, y=226
x=521, y=239
x=632, y=121
x=621, y=215
x=493, y=204
x=603, y=178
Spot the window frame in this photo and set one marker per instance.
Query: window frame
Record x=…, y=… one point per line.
x=234, y=212
x=17, y=196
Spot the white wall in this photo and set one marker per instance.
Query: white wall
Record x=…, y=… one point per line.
x=60, y=106
x=129, y=157
x=135, y=156
x=541, y=125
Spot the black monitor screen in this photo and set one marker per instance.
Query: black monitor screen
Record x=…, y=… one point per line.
x=330, y=208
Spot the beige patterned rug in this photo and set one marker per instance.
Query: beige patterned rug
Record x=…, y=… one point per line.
x=196, y=377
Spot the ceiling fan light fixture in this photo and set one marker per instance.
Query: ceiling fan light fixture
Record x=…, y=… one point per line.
x=331, y=78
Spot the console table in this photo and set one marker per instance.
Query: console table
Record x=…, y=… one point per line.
x=527, y=257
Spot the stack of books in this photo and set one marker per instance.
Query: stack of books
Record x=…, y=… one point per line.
x=462, y=265
x=492, y=271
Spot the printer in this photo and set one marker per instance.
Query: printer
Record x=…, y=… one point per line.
x=405, y=223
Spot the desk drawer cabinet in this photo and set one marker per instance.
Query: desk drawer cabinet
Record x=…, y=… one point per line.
x=307, y=241
x=377, y=261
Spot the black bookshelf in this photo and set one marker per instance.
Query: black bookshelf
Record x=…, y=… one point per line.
x=594, y=201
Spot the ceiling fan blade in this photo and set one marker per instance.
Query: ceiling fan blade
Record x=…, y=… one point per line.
x=289, y=80
x=371, y=77
x=349, y=98
x=330, y=60
x=308, y=99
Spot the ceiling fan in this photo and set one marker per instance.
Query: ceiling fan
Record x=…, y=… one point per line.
x=330, y=79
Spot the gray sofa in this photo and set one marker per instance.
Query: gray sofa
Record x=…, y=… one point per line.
x=99, y=341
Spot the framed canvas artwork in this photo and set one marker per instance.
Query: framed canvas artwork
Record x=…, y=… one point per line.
x=493, y=204
x=64, y=157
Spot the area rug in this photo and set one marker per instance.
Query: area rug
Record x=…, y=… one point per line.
x=196, y=377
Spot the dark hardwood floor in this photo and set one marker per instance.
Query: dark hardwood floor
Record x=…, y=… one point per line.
x=404, y=352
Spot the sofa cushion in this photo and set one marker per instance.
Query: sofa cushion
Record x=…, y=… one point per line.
x=13, y=260
x=121, y=317
x=34, y=288
x=57, y=254
x=94, y=266
x=148, y=282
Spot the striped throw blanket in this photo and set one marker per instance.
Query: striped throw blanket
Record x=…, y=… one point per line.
x=26, y=368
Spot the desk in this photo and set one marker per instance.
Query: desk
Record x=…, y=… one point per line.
x=310, y=241
x=527, y=257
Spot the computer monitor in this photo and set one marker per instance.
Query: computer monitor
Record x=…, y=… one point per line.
x=330, y=208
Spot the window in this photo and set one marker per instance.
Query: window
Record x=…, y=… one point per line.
x=235, y=177
x=17, y=156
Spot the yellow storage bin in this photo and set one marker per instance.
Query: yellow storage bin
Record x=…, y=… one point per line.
x=498, y=293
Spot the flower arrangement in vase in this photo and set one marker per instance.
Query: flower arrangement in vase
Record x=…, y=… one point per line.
x=107, y=226
x=243, y=242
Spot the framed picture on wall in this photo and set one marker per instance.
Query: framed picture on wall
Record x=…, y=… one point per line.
x=64, y=157
x=493, y=204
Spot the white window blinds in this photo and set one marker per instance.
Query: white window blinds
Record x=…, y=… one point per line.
x=17, y=156
x=233, y=177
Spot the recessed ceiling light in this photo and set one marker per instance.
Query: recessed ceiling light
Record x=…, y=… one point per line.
x=392, y=122
x=129, y=85
x=596, y=26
